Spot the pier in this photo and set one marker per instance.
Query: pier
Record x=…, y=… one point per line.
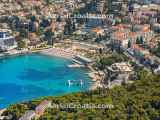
x=76, y=82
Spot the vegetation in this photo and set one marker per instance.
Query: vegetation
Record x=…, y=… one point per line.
x=156, y=51
x=21, y=44
x=49, y=36
x=23, y=33
x=47, y=2
x=137, y=101
x=109, y=60
x=139, y=40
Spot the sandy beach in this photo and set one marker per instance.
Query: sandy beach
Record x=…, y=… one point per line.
x=14, y=52
x=59, y=52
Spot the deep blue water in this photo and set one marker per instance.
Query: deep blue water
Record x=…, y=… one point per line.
x=35, y=75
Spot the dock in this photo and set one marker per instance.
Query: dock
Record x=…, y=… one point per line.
x=75, y=66
x=76, y=82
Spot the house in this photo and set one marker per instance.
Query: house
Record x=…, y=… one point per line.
x=156, y=27
x=28, y=115
x=120, y=38
x=98, y=31
x=140, y=52
x=7, y=42
x=156, y=1
x=100, y=6
x=118, y=73
x=157, y=71
x=40, y=109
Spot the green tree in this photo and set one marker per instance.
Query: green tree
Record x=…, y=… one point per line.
x=49, y=36
x=47, y=2
x=129, y=43
x=141, y=40
x=23, y=33
x=21, y=44
x=138, y=40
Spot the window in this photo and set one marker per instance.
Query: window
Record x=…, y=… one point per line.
x=1, y=34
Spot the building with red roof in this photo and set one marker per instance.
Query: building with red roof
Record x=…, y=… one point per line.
x=40, y=109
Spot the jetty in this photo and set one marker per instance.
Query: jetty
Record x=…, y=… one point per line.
x=75, y=66
x=76, y=82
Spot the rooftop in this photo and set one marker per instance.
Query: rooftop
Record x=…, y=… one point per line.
x=121, y=67
x=28, y=115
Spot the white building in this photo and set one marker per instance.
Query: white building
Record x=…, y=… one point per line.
x=28, y=115
x=157, y=71
x=7, y=42
x=121, y=72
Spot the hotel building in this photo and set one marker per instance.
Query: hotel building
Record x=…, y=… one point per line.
x=7, y=42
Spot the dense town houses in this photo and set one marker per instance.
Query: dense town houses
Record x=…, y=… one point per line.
x=34, y=17
x=114, y=48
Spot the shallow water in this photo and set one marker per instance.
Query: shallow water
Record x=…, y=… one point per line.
x=35, y=75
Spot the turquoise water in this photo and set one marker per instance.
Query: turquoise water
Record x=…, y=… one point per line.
x=35, y=75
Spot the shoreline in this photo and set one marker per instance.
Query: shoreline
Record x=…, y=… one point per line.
x=13, y=52
x=27, y=51
x=96, y=80
x=59, y=52
x=96, y=77
x=51, y=51
x=92, y=74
